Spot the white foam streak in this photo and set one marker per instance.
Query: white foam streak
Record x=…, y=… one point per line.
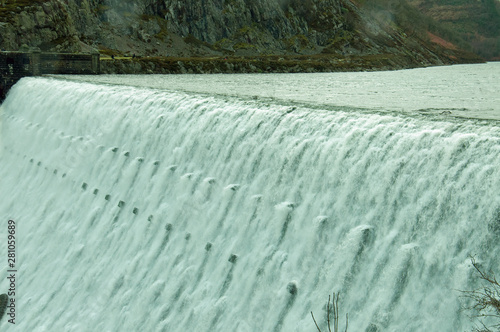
x=163, y=211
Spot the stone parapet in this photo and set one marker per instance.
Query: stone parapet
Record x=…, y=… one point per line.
x=16, y=65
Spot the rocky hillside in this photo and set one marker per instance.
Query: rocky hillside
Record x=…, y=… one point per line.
x=477, y=22
x=221, y=28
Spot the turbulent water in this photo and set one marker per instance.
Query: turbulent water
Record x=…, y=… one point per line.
x=141, y=209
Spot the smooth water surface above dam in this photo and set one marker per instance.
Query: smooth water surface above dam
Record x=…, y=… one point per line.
x=461, y=90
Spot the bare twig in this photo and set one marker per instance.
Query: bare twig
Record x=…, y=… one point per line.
x=315, y=322
x=491, y=279
x=335, y=308
x=486, y=300
x=336, y=311
x=328, y=313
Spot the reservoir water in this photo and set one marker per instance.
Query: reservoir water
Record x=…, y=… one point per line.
x=240, y=202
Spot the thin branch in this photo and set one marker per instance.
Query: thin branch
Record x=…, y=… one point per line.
x=334, y=313
x=332, y=306
x=328, y=314
x=485, y=300
x=337, y=313
x=315, y=322
x=490, y=279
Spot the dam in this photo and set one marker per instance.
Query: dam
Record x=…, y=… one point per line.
x=16, y=65
x=148, y=208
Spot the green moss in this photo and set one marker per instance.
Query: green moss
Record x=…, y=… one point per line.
x=298, y=41
x=229, y=2
x=247, y=32
x=163, y=34
x=274, y=63
x=190, y=39
x=224, y=45
x=339, y=41
x=244, y=46
x=107, y=51
x=103, y=8
x=222, y=42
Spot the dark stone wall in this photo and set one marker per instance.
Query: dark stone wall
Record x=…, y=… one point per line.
x=13, y=66
x=16, y=65
x=60, y=63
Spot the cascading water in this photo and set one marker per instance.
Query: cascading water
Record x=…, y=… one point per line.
x=144, y=210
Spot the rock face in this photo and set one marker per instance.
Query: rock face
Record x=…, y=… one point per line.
x=46, y=24
x=261, y=24
x=212, y=27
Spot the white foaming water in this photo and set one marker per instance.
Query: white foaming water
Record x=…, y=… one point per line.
x=146, y=210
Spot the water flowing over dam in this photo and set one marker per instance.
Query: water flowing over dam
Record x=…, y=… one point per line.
x=139, y=209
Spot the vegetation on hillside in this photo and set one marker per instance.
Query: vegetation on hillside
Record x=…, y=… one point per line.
x=475, y=22
x=399, y=13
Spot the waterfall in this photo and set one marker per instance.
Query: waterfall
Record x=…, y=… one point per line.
x=146, y=210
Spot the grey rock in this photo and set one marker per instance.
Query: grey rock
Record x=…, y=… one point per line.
x=211, y=27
